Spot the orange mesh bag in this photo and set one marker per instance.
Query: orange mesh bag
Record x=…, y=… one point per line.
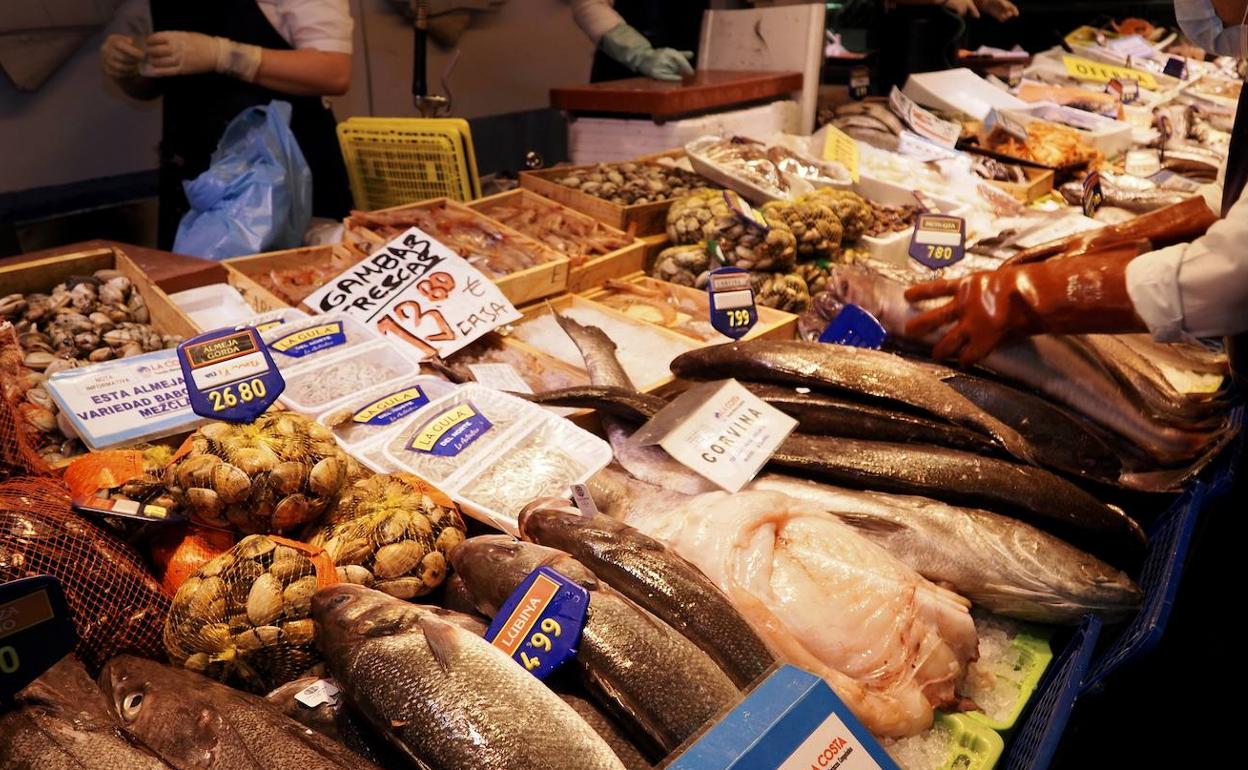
x=178, y=551
x=392, y=532
x=245, y=617
x=20, y=438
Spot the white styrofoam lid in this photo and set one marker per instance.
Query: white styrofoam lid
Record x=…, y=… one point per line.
x=213, y=306
x=959, y=90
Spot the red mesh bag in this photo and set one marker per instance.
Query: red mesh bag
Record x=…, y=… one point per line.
x=18, y=455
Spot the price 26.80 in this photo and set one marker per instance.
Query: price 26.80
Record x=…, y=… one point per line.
x=231, y=395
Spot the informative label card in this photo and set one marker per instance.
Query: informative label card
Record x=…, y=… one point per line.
x=419, y=291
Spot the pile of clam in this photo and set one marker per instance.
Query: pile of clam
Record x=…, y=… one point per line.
x=245, y=616
x=628, y=184
x=83, y=320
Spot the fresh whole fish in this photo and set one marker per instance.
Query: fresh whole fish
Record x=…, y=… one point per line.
x=1137, y=201
x=194, y=723
x=1030, y=493
x=615, y=401
x=892, y=645
x=61, y=721
x=868, y=373
x=629, y=658
x=999, y=563
x=335, y=719
x=1162, y=400
x=657, y=579
x=445, y=696
x=625, y=750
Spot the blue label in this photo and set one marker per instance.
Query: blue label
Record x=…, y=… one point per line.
x=855, y=327
x=939, y=240
x=229, y=374
x=391, y=407
x=310, y=339
x=1175, y=68
x=35, y=631
x=1092, y=195
x=540, y=624
x=792, y=719
x=733, y=312
x=451, y=431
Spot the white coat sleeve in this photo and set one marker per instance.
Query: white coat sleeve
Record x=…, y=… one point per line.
x=595, y=17
x=1197, y=289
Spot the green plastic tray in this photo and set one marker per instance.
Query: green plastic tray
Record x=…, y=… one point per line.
x=1033, y=655
x=975, y=746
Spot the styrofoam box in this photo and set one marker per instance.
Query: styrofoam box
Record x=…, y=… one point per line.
x=214, y=306
x=959, y=90
x=1110, y=136
x=894, y=248
x=604, y=140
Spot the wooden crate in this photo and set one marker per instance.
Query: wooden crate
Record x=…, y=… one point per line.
x=544, y=280
x=622, y=261
x=642, y=220
x=40, y=275
x=772, y=323
x=1039, y=183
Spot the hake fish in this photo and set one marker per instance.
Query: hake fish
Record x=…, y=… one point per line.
x=195, y=723
x=639, y=668
x=443, y=695
x=1031, y=493
x=61, y=721
x=870, y=373
x=656, y=578
x=999, y=563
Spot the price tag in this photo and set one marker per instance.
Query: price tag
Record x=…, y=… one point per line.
x=859, y=82
x=914, y=146
x=924, y=123
x=855, y=327
x=499, y=377
x=450, y=431
x=540, y=624
x=1125, y=90
x=391, y=407
x=310, y=339
x=229, y=374
x=419, y=291
x=997, y=121
x=939, y=240
x=733, y=312
x=1086, y=69
x=1176, y=68
x=791, y=721
x=584, y=500
x=840, y=147
x=125, y=401
x=1092, y=195
x=719, y=430
x=319, y=693
x=35, y=631
x=124, y=509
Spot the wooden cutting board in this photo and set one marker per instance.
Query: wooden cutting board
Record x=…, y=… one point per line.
x=706, y=90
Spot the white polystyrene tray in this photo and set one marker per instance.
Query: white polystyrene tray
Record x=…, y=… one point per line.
x=725, y=177
x=355, y=332
x=432, y=387
x=214, y=306
x=959, y=90
x=382, y=353
x=274, y=318
x=894, y=248
x=1112, y=137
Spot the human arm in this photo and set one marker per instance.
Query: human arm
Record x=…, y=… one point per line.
x=1207, y=28
x=617, y=39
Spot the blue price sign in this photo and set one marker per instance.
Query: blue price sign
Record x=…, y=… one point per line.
x=1093, y=197
x=229, y=374
x=855, y=327
x=1176, y=68
x=939, y=240
x=540, y=624
x=35, y=631
x=733, y=312
x=859, y=82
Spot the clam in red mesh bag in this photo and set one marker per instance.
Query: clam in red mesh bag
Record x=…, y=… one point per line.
x=18, y=456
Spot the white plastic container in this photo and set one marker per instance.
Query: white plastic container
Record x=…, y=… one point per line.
x=959, y=90
x=1110, y=136
x=314, y=388
x=380, y=410
x=302, y=342
x=275, y=318
x=214, y=306
x=894, y=248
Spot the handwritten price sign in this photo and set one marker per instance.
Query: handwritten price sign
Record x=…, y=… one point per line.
x=419, y=291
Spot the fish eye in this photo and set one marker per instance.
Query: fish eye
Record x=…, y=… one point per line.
x=340, y=600
x=130, y=706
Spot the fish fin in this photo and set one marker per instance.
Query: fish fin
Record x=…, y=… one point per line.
x=440, y=636
x=868, y=523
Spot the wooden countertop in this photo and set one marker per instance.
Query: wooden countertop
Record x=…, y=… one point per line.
x=171, y=272
x=706, y=90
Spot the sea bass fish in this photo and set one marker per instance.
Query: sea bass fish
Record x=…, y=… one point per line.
x=334, y=718
x=655, y=577
x=629, y=658
x=892, y=645
x=607, y=729
x=999, y=563
x=194, y=723
x=445, y=696
x=61, y=721
x=869, y=373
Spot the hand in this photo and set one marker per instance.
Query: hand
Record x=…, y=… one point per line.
x=960, y=7
x=1001, y=10
x=120, y=57
x=666, y=64
x=191, y=53
x=1073, y=295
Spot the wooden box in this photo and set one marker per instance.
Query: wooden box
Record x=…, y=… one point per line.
x=622, y=261
x=1039, y=183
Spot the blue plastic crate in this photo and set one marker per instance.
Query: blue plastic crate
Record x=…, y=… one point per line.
x=1036, y=739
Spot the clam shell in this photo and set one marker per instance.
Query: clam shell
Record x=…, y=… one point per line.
x=327, y=477
x=448, y=539
x=254, y=546
x=255, y=638
x=433, y=570
x=298, y=596
x=197, y=662
x=254, y=460
x=402, y=588
x=288, y=564
x=211, y=638
x=287, y=478
x=230, y=483
x=292, y=511
x=264, y=600
x=397, y=559
x=299, y=631
x=353, y=573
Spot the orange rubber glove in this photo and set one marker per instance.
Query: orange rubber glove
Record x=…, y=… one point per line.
x=1076, y=295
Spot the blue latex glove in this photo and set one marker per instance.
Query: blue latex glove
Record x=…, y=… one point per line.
x=1200, y=21
x=630, y=48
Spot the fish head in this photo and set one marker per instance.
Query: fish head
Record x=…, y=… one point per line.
x=346, y=614
x=492, y=566
x=556, y=524
x=163, y=709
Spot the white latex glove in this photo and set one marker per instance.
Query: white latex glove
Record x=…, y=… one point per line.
x=960, y=7
x=120, y=57
x=1001, y=10
x=190, y=53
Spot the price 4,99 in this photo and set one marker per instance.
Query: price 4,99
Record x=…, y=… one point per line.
x=225, y=398
x=541, y=641
x=939, y=252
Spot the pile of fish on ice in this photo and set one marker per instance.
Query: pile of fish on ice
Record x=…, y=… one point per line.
x=910, y=494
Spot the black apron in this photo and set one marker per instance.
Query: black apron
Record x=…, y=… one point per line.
x=665, y=23
x=197, y=109
x=1232, y=188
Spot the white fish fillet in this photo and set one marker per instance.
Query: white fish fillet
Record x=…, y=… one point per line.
x=891, y=644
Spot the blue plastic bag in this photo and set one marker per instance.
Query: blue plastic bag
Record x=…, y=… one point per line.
x=257, y=193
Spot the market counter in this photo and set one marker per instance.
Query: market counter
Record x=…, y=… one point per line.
x=171, y=272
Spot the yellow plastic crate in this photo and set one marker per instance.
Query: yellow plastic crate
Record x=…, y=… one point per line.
x=396, y=161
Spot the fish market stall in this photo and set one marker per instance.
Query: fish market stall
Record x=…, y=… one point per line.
x=597, y=465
